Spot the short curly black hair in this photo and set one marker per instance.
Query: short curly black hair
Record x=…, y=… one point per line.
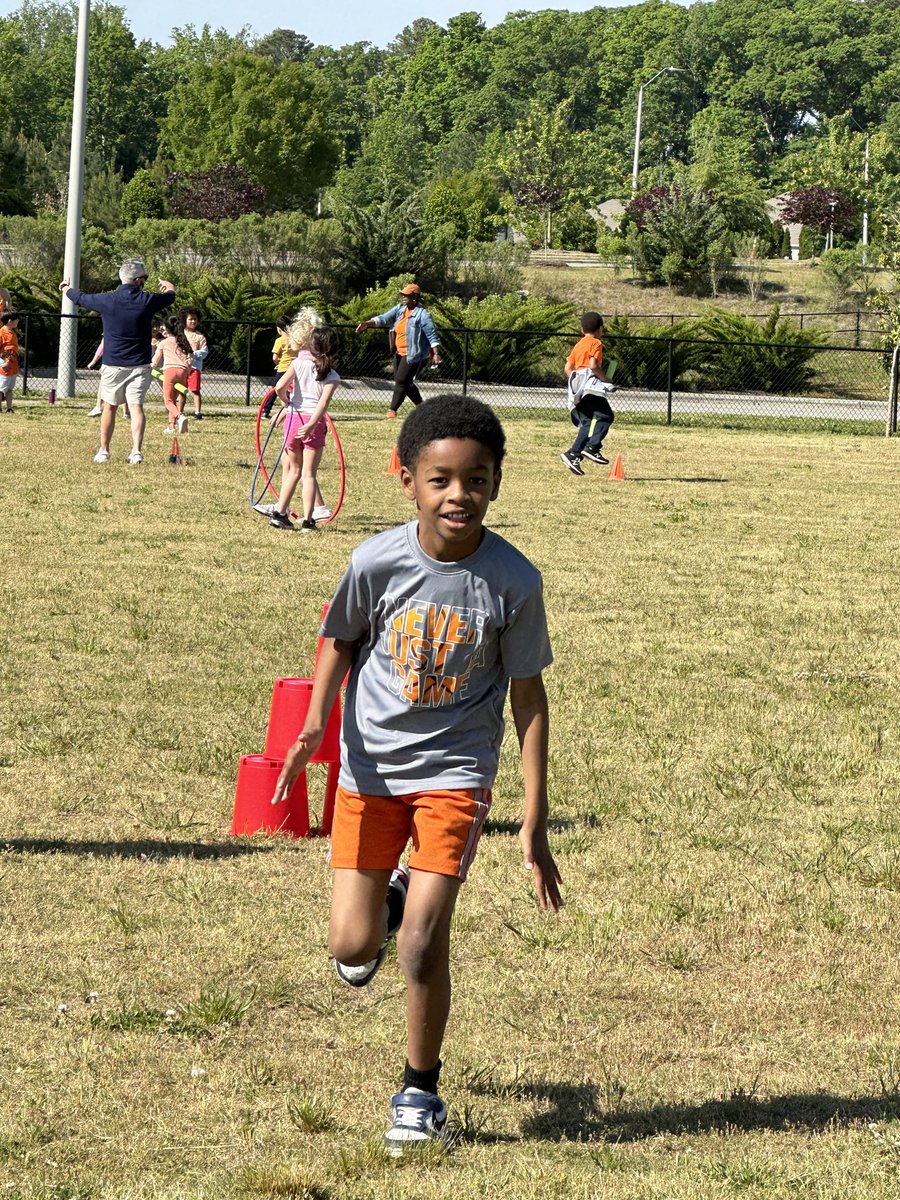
x=450, y=416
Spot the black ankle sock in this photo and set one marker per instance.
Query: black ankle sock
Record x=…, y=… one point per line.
x=395, y=901
x=426, y=1081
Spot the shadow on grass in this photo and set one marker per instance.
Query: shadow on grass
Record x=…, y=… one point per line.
x=510, y=828
x=677, y=479
x=576, y=1113
x=150, y=848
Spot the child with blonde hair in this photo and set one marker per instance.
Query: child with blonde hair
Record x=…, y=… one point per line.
x=305, y=391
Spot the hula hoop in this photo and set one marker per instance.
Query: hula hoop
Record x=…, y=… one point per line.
x=261, y=466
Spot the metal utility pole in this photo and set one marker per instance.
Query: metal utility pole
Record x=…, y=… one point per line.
x=68, y=333
x=637, y=123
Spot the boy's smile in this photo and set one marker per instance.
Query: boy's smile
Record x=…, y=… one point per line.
x=453, y=483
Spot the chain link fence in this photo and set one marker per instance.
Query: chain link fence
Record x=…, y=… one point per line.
x=778, y=385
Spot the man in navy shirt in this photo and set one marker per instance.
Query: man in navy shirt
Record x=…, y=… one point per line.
x=128, y=318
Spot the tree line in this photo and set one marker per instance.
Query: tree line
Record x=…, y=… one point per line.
x=411, y=157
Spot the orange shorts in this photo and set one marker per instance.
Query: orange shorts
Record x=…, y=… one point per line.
x=370, y=832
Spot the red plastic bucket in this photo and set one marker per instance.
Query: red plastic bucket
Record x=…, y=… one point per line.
x=254, y=811
x=290, y=704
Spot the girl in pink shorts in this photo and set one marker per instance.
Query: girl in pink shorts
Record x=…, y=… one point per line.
x=305, y=390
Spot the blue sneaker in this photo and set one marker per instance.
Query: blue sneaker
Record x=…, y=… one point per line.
x=418, y=1118
x=361, y=975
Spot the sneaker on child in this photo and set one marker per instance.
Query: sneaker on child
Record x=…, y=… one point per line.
x=182, y=424
x=418, y=1118
x=135, y=458
x=102, y=456
x=396, y=902
x=281, y=520
x=572, y=463
x=96, y=411
x=596, y=456
x=321, y=513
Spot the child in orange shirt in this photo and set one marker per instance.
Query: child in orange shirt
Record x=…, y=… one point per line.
x=9, y=357
x=588, y=388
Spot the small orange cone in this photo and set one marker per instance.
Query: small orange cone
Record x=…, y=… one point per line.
x=618, y=471
x=175, y=455
x=394, y=464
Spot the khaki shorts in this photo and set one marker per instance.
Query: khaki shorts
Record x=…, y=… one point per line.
x=7, y=384
x=124, y=385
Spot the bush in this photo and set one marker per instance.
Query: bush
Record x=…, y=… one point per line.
x=734, y=359
x=529, y=350
x=842, y=270
x=807, y=243
x=641, y=352
x=142, y=196
x=575, y=229
x=612, y=248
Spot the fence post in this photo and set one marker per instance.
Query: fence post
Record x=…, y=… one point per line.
x=25, y=357
x=801, y=320
x=249, y=350
x=856, y=342
x=669, y=381
x=891, y=424
x=465, y=363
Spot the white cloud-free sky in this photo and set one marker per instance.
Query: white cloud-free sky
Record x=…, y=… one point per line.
x=330, y=24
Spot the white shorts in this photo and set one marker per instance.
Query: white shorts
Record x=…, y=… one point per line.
x=7, y=384
x=124, y=385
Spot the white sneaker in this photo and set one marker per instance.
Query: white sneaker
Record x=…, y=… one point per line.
x=96, y=411
x=135, y=457
x=182, y=424
x=265, y=509
x=418, y=1118
x=102, y=456
x=169, y=431
x=321, y=513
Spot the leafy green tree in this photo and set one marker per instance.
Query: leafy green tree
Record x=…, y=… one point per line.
x=142, y=196
x=283, y=45
x=272, y=123
x=546, y=163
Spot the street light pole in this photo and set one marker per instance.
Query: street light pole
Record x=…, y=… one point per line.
x=68, y=332
x=637, y=123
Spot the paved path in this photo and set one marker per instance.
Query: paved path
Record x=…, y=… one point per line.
x=230, y=390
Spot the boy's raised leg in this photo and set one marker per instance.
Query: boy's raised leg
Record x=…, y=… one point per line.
x=366, y=911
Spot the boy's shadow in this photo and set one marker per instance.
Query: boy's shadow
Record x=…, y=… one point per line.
x=577, y=1112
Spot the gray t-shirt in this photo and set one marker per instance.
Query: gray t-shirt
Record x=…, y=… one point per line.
x=436, y=646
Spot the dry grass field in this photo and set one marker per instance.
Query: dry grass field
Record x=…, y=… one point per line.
x=714, y=1014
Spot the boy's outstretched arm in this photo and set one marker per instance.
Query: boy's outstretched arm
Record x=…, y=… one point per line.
x=531, y=715
x=334, y=662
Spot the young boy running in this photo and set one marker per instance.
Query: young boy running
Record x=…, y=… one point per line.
x=435, y=620
x=588, y=388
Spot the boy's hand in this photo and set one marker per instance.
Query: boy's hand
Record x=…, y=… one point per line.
x=298, y=757
x=539, y=861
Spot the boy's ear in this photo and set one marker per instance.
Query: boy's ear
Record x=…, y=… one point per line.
x=498, y=476
x=408, y=483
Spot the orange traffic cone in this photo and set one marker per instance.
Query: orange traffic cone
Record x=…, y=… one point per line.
x=394, y=464
x=175, y=455
x=617, y=472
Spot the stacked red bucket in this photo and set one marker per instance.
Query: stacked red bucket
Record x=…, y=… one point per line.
x=254, y=811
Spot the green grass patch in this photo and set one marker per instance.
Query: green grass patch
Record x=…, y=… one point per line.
x=714, y=1013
